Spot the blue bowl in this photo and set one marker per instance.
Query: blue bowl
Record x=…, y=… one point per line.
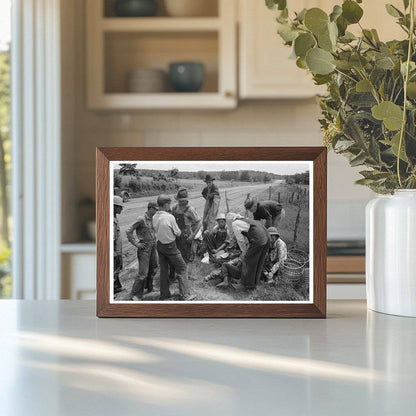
x=186, y=76
x=135, y=8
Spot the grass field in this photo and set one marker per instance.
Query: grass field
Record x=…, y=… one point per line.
x=236, y=194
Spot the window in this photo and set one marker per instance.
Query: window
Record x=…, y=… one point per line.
x=5, y=147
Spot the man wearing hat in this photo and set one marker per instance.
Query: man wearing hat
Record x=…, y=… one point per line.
x=212, y=198
x=117, y=247
x=254, y=241
x=276, y=256
x=189, y=223
x=217, y=239
x=166, y=230
x=141, y=234
x=270, y=211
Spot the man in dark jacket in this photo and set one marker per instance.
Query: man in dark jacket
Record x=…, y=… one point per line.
x=212, y=198
x=250, y=267
x=270, y=211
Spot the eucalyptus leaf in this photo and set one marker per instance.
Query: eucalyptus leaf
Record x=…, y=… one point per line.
x=321, y=79
x=301, y=63
x=343, y=145
x=391, y=114
x=286, y=32
x=303, y=43
x=364, y=181
x=300, y=17
x=393, y=11
x=325, y=42
x=343, y=65
x=336, y=12
x=374, y=175
x=319, y=61
x=411, y=90
x=363, y=86
x=351, y=11
x=316, y=20
x=385, y=63
x=358, y=160
x=375, y=35
x=342, y=25
x=276, y=4
x=374, y=150
x=394, y=144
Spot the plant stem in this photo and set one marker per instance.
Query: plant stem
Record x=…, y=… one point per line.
x=406, y=80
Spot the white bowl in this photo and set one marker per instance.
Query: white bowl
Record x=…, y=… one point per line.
x=146, y=80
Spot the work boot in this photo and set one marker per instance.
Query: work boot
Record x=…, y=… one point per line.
x=240, y=287
x=225, y=284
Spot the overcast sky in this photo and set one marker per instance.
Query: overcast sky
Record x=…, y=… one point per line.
x=277, y=167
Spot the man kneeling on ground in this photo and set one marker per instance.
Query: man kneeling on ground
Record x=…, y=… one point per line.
x=276, y=256
x=218, y=239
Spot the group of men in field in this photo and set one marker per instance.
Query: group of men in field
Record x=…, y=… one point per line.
x=246, y=250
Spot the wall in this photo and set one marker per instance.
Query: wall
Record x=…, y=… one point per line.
x=265, y=123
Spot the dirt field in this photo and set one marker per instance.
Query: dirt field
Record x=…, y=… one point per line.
x=236, y=195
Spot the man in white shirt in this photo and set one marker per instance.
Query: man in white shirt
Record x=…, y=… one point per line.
x=166, y=230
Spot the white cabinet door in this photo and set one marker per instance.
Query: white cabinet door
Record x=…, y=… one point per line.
x=265, y=68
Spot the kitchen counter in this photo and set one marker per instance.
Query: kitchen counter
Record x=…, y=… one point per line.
x=57, y=358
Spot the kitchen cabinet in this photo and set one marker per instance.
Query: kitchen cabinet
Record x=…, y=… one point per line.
x=116, y=46
x=265, y=70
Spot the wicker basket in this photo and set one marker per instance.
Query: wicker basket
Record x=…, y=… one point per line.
x=292, y=271
x=298, y=256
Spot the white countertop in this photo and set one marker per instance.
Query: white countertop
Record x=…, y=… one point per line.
x=58, y=359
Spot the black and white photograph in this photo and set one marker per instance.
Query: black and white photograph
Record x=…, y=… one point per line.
x=226, y=231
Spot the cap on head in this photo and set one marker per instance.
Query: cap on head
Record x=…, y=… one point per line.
x=182, y=195
x=209, y=178
x=118, y=201
x=273, y=231
x=249, y=202
x=163, y=199
x=152, y=204
x=220, y=217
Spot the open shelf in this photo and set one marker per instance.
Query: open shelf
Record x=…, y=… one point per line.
x=127, y=51
x=211, y=9
x=116, y=46
x=160, y=24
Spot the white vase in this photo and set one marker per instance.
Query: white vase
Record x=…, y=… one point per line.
x=391, y=253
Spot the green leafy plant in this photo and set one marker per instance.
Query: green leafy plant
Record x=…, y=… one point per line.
x=369, y=113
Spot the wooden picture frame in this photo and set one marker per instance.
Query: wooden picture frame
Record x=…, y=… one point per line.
x=314, y=308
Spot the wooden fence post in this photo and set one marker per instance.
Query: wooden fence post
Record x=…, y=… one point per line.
x=270, y=193
x=295, y=234
x=226, y=202
x=278, y=197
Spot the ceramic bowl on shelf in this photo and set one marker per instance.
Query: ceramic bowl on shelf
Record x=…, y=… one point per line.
x=186, y=76
x=191, y=8
x=135, y=8
x=147, y=80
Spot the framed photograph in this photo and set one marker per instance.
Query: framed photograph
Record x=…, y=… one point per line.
x=211, y=232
